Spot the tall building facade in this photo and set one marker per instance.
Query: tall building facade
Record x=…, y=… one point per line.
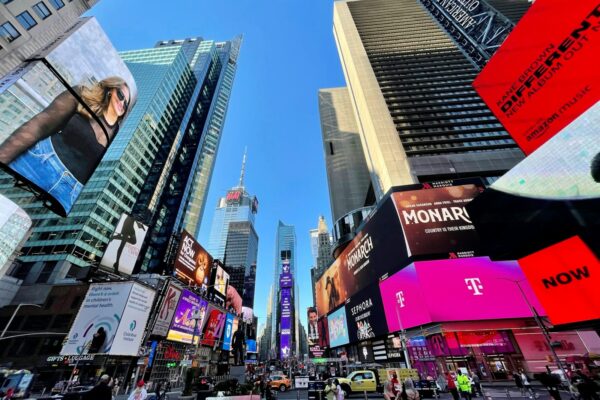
x=158, y=168
x=285, y=251
x=27, y=26
x=324, y=254
x=409, y=79
x=233, y=238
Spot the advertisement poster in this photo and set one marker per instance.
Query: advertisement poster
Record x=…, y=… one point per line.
x=285, y=280
x=570, y=271
x=366, y=318
x=130, y=333
x=417, y=295
x=545, y=74
x=365, y=352
x=373, y=253
x=14, y=230
x=233, y=300
x=313, y=335
x=251, y=346
x=60, y=114
x=323, y=333
x=166, y=310
x=214, y=326
x=436, y=223
x=228, y=332
x=338, y=328
x=97, y=322
x=285, y=335
x=182, y=327
x=219, y=283
x=193, y=264
x=124, y=246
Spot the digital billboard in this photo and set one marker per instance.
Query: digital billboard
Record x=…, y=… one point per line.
x=548, y=197
x=313, y=335
x=228, y=332
x=167, y=310
x=365, y=352
x=219, y=283
x=214, y=325
x=124, y=246
x=323, y=333
x=184, y=326
x=429, y=291
x=233, y=300
x=251, y=346
x=193, y=264
x=285, y=322
x=338, y=328
x=364, y=312
x=111, y=320
x=14, y=231
x=545, y=74
x=436, y=223
x=566, y=270
x=60, y=113
x=376, y=251
x=286, y=280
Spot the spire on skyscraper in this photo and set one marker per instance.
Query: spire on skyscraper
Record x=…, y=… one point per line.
x=322, y=225
x=243, y=168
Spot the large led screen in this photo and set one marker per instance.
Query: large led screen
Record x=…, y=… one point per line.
x=546, y=72
x=193, y=264
x=59, y=114
x=436, y=223
x=285, y=323
x=365, y=315
x=376, y=250
x=188, y=319
x=338, y=328
x=214, y=325
x=233, y=300
x=566, y=270
x=432, y=291
x=112, y=320
x=124, y=246
x=167, y=309
x=227, y=336
x=219, y=283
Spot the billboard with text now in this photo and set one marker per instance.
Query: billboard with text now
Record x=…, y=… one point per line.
x=193, y=264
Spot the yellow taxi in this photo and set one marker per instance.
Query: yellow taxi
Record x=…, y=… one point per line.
x=280, y=382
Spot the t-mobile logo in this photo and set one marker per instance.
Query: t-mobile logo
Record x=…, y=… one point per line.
x=400, y=298
x=475, y=285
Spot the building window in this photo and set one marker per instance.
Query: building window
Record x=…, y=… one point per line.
x=41, y=10
x=57, y=4
x=6, y=1
x=26, y=20
x=8, y=31
x=46, y=272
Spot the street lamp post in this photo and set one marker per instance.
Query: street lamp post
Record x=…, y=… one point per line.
x=402, y=331
x=14, y=314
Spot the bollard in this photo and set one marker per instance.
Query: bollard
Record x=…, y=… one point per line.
x=435, y=393
x=366, y=397
x=297, y=395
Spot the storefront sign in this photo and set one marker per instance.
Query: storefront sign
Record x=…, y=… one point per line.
x=571, y=272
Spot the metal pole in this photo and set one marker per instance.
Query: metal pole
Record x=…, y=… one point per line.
x=14, y=314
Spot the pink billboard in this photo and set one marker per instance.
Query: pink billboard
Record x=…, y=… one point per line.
x=463, y=289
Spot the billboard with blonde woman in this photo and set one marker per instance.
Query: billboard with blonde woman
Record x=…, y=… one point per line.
x=60, y=111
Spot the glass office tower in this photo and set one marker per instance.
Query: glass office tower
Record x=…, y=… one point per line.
x=158, y=167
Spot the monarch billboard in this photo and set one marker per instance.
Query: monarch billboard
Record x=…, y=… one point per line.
x=112, y=320
x=61, y=111
x=124, y=246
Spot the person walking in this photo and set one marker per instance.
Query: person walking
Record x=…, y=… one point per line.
x=452, y=386
x=476, y=384
x=139, y=393
x=526, y=384
x=519, y=383
x=101, y=391
x=339, y=392
x=329, y=390
x=464, y=385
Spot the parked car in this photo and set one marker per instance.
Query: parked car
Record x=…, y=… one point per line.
x=280, y=382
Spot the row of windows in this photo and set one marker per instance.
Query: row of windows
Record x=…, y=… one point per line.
x=8, y=30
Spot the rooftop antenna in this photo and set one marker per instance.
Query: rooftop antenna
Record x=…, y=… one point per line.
x=241, y=184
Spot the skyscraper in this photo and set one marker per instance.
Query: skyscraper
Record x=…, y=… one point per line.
x=410, y=85
x=285, y=252
x=26, y=26
x=233, y=238
x=158, y=168
x=324, y=254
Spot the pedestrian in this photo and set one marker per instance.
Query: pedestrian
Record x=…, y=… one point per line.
x=101, y=391
x=330, y=390
x=339, y=392
x=551, y=383
x=396, y=387
x=139, y=393
x=527, y=384
x=389, y=393
x=519, y=383
x=476, y=384
x=116, y=386
x=268, y=390
x=587, y=388
x=464, y=385
x=452, y=386
x=157, y=388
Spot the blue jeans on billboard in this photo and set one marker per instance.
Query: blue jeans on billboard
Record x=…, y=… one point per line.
x=41, y=165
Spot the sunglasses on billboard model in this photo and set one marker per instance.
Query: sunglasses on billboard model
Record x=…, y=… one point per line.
x=121, y=97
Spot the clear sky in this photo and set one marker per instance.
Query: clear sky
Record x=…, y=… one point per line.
x=288, y=54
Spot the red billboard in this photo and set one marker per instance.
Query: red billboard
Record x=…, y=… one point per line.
x=546, y=73
x=568, y=270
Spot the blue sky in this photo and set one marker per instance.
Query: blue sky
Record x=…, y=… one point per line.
x=288, y=54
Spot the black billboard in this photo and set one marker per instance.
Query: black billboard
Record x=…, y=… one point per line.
x=365, y=315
